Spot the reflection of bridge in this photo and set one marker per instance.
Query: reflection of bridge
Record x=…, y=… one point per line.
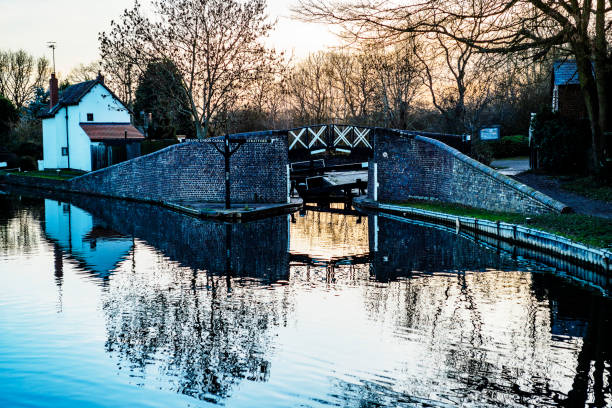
x=305, y=259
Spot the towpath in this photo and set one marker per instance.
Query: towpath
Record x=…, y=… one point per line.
x=552, y=187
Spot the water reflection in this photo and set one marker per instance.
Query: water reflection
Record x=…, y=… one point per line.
x=98, y=248
x=107, y=227
x=332, y=309
x=399, y=251
x=201, y=324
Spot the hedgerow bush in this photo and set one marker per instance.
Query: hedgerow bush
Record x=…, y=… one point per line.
x=510, y=146
x=562, y=142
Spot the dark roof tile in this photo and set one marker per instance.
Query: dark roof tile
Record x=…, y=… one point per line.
x=72, y=95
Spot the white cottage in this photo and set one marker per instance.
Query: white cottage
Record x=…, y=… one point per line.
x=87, y=128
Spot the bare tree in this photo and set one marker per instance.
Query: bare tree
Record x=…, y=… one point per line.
x=20, y=75
x=310, y=86
x=397, y=83
x=215, y=44
x=84, y=72
x=580, y=29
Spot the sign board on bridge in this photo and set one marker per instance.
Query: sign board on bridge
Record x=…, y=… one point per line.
x=489, y=133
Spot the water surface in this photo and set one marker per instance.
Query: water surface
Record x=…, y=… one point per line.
x=107, y=303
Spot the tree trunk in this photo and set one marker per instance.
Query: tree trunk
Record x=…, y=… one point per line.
x=589, y=91
x=198, y=128
x=602, y=76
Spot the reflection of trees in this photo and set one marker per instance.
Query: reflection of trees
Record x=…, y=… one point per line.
x=578, y=313
x=192, y=327
x=20, y=224
x=484, y=336
x=487, y=332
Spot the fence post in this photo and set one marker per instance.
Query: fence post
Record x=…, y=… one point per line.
x=375, y=181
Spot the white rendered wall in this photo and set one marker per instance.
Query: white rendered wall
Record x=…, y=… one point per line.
x=50, y=153
x=104, y=106
x=60, y=139
x=80, y=150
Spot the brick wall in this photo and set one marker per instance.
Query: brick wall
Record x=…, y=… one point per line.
x=195, y=171
x=411, y=167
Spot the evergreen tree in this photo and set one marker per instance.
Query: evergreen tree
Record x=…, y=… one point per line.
x=9, y=116
x=157, y=94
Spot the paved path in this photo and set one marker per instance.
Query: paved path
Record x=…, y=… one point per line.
x=511, y=166
x=552, y=187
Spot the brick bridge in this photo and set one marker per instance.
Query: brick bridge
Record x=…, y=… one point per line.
x=402, y=165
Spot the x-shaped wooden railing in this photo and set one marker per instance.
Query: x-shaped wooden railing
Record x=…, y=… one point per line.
x=320, y=138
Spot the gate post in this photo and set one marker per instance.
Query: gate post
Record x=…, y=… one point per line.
x=375, y=181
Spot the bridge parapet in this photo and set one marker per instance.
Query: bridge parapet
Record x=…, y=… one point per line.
x=405, y=166
x=194, y=171
x=345, y=138
x=330, y=137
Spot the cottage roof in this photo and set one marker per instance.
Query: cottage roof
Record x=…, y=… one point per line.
x=73, y=94
x=100, y=132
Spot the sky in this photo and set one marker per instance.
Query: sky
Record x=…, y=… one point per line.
x=74, y=25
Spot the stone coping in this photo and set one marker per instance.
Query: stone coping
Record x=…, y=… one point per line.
x=237, y=212
x=214, y=210
x=533, y=238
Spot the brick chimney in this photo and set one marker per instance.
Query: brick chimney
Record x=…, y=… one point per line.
x=100, y=77
x=53, y=91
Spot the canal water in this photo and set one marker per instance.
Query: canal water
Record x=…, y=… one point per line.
x=106, y=303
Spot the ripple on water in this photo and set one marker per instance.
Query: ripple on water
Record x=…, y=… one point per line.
x=140, y=311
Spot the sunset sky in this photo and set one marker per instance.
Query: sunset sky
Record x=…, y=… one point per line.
x=75, y=24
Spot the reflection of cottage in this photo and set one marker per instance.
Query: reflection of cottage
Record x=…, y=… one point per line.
x=566, y=94
x=87, y=128
x=98, y=249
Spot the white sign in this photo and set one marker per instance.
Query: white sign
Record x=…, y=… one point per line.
x=3, y=164
x=490, y=133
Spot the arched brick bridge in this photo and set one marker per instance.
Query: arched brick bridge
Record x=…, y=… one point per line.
x=402, y=165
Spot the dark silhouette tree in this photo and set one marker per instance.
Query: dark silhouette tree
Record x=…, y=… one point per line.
x=160, y=95
x=9, y=115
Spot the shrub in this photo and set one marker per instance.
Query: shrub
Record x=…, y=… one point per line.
x=28, y=163
x=29, y=149
x=27, y=131
x=11, y=159
x=510, y=146
x=562, y=142
x=482, y=152
x=150, y=146
x=9, y=115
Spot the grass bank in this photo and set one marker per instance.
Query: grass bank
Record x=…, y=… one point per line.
x=48, y=174
x=593, y=231
x=588, y=187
